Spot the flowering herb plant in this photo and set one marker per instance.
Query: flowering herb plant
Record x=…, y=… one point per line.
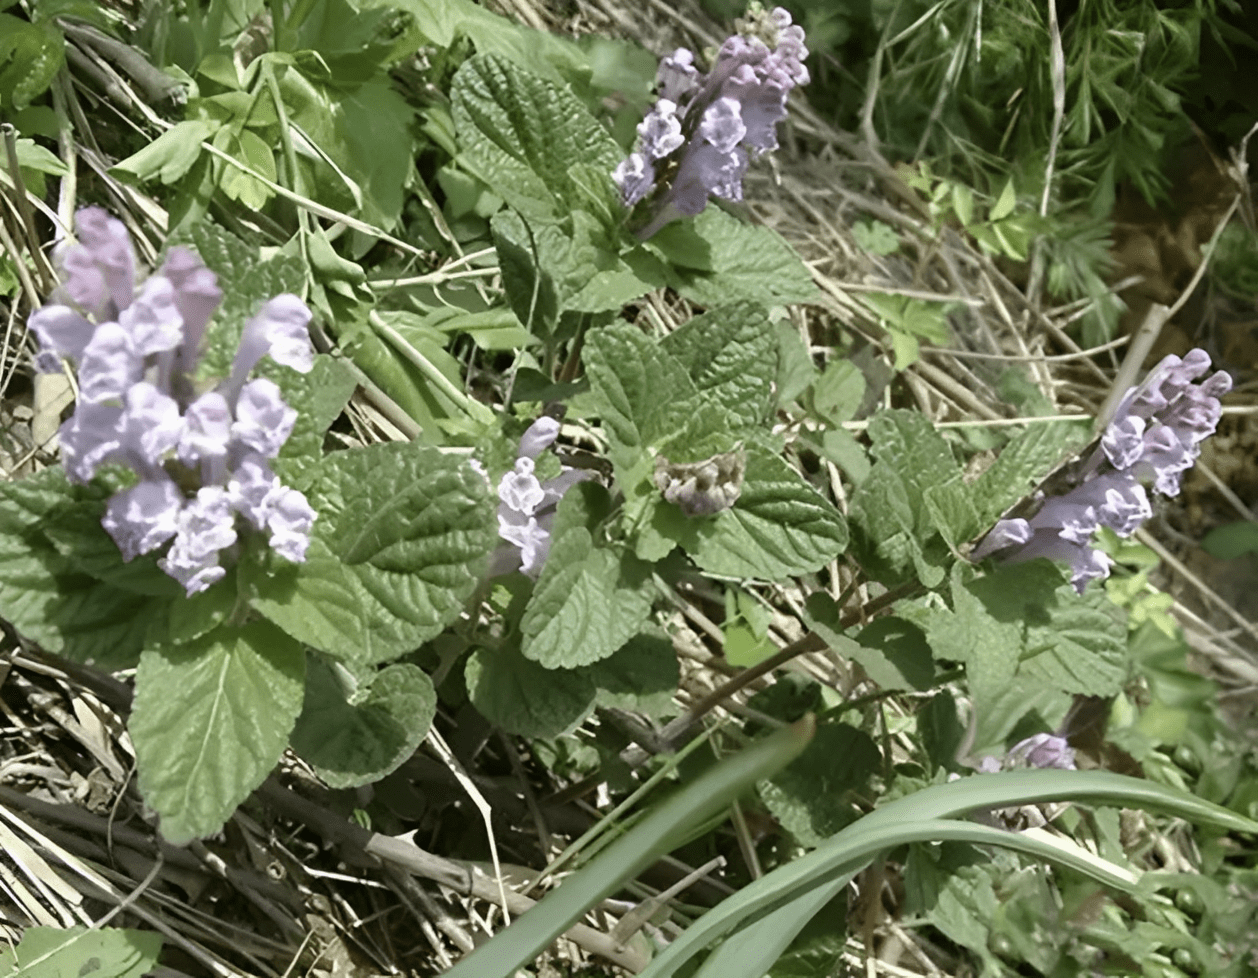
x=634, y=420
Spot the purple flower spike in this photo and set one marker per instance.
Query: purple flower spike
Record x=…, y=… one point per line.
x=61, y=331
x=263, y=421
x=100, y=269
x=144, y=517
x=138, y=404
x=697, y=137
x=1153, y=439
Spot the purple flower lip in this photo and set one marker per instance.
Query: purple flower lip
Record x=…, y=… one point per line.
x=1153, y=438
x=136, y=354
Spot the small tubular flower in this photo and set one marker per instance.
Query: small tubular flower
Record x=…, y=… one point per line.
x=135, y=354
x=1153, y=438
x=526, y=506
x=698, y=137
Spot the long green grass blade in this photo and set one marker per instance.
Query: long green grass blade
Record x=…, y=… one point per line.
x=880, y=829
x=655, y=835
x=752, y=951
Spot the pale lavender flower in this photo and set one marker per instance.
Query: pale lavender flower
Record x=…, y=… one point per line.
x=207, y=430
x=145, y=516
x=526, y=507
x=150, y=427
x=89, y=438
x=703, y=129
x=289, y=518
x=263, y=421
x=280, y=330
x=135, y=355
x=206, y=526
x=110, y=365
x=100, y=268
x=1043, y=750
x=251, y=484
x=635, y=177
x=61, y=331
x=1153, y=438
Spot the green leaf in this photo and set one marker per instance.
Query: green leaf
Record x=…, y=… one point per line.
x=838, y=393
x=319, y=602
x=585, y=266
x=1005, y=203
x=875, y=237
x=1023, y=462
x=81, y=952
x=742, y=261
x=780, y=526
x=210, y=720
x=525, y=698
x=884, y=530
x=441, y=23
x=641, y=675
x=658, y=833
x=356, y=739
x=529, y=287
x=1232, y=541
x=414, y=527
x=30, y=57
x=731, y=354
x=807, y=796
x=634, y=384
x=923, y=816
x=523, y=135
x=318, y=397
x=48, y=590
x=901, y=657
x=170, y=155
x=589, y=601
x=1075, y=643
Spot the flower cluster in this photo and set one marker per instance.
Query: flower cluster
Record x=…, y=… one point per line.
x=1154, y=438
x=697, y=137
x=1042, y=750
x=526, y=506
x=135, y=354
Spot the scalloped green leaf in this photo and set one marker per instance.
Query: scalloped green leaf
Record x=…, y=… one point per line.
x=589, y=601
x=524, y=136
x=210, y=720
x=63, y=584
x=731, y=354
x=414, y=527
x=779, y=527
x=525, y=698
x=354, y=740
